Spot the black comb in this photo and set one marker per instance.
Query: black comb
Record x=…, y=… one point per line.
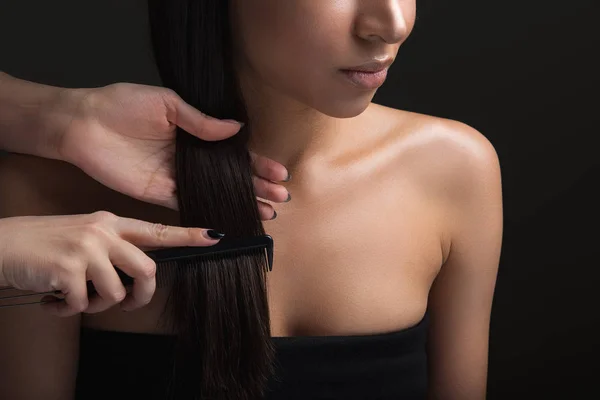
x=166, y=260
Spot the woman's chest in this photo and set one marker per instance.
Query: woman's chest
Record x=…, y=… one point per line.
x=361, y=265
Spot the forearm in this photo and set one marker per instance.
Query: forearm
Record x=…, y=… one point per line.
x=33, y=116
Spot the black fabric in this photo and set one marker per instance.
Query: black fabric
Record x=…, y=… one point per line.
x=115, y=365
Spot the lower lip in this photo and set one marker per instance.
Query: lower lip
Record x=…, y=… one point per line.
x=366, y=80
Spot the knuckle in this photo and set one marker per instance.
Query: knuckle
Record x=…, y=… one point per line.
x=159, y=231
x=67, y=265
x=148, y=269
x=117, y=296
x=88, y=239
x=80, y=305
x=266, y=210
x=201, y=130
x=124, y=86
x=120, y=89
x=95, y=230
x=276, y=192
x=271, y=169
x=266, y=168
x=144, y=301
x=265, y=207
x=253, y=159
x=103, y=218
x=55, y=281
x=169, y=96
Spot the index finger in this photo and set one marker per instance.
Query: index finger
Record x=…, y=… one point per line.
x=148, y=234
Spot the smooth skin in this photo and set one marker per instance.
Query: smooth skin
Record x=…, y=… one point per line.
x=394, y=213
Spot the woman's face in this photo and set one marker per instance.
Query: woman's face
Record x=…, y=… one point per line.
x=330, y=55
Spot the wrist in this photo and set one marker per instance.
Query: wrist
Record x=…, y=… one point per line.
x=34, y=117
x=56, y=117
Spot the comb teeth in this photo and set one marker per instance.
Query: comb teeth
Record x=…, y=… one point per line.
x=166, y=271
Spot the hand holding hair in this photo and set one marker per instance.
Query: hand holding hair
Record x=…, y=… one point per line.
x=122, y=135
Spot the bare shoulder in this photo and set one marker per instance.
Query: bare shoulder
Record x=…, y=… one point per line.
x=450, y=158
x=454, y=166
x=457, y=141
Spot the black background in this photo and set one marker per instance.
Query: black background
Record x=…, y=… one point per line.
x=523, y=72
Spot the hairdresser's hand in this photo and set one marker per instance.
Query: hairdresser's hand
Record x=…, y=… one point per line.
x=62, y=253
x=123, y=135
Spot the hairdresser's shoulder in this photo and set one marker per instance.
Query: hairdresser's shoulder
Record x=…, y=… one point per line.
x=449, y=156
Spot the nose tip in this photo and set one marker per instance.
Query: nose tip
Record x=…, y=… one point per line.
x=383, y=21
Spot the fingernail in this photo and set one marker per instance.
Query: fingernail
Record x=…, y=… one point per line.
x=274, y=215
x=289, y=177
x=212, y=234
x=289, y=198
x=233, y=121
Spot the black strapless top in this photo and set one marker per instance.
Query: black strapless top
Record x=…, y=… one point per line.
x=116, y=365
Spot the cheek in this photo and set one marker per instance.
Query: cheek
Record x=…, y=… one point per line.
x=296, y=49
x=290, y=46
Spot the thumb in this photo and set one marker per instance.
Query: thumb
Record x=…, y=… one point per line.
x=201, y=125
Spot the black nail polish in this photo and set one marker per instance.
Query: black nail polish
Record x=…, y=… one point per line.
x=289, y=177
x=214, y=234
x=289, y=198
x=274, y=215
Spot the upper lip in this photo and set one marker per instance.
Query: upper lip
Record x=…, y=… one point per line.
x=372, y=66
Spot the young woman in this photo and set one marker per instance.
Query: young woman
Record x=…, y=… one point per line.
x=385, y=260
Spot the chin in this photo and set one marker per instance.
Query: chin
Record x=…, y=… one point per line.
x=346, y=107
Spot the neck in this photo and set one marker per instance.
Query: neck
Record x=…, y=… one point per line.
x=287, y=131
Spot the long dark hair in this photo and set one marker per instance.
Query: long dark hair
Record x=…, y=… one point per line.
x=218, y=308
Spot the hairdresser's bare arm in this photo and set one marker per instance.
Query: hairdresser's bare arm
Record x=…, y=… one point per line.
x=31, y=116
x=461, y=297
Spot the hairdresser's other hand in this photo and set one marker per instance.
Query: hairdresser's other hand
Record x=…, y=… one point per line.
x=123, y=135
x=62, y=253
